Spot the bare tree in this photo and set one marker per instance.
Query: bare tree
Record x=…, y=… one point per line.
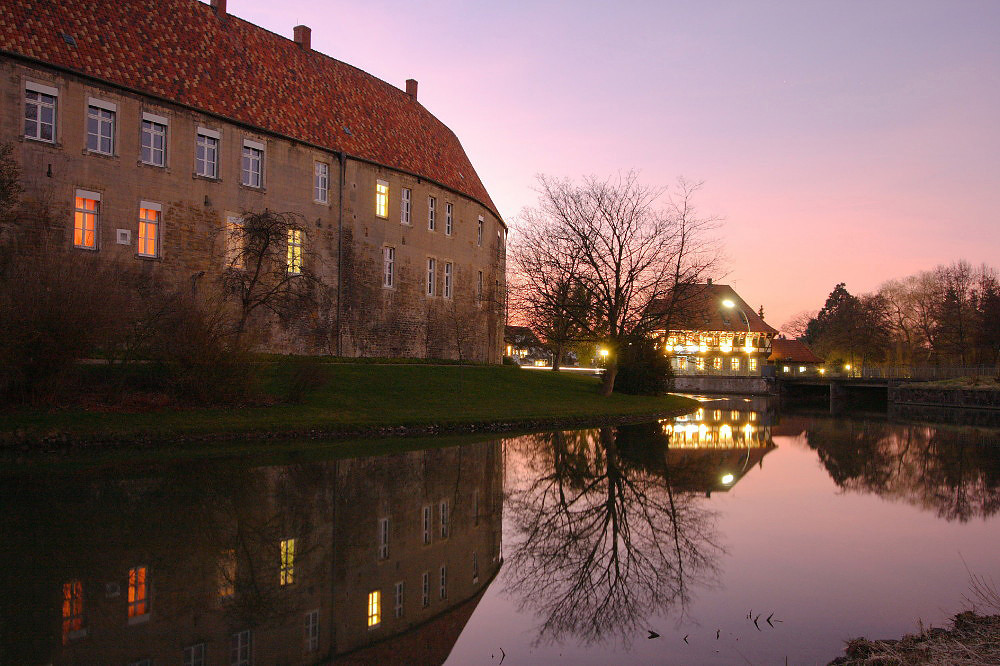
x=269, y=266
x=796, y=325
x=614, y=240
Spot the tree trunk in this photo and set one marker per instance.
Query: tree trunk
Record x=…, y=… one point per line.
x=608, y=382
x=557, y=357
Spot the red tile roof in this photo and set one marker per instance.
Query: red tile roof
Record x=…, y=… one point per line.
x=181, y=50
x=793, y=351
x=702, y=309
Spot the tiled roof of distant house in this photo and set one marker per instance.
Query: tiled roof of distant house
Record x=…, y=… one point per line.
x=184, y=52
x=793, y=351
x=702, y=309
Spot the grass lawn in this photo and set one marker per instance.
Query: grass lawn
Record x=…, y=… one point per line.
x=357, y=398
x=977, y=383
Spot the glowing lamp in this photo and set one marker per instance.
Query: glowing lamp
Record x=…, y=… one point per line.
x=604, y=353
x=802, y=368
x=727, y=479
x=847, y=367
x=728, y=303
x=822, y=371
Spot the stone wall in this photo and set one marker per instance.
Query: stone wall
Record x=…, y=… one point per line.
x=723, y=384
x=964, y=398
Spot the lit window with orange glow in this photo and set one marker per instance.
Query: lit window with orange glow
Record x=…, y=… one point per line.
x=374, y=608
x=85, y=220
x=286, y=574
x=138, y=593
x=72, y=609
x=735, y=363
x=717, y=363
x=382, y=199
x=227, y=574
x=149, y=229
x=294, y=251
x=752, y=364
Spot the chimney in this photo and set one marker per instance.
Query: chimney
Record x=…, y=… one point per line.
x=411, y=88
x=220, y=7
x=303, y=36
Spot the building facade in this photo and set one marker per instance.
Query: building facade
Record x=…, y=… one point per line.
x=146, y=130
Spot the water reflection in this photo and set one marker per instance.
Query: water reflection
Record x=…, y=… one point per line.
x=612, y=526
x=224, y=563
x=954, y=472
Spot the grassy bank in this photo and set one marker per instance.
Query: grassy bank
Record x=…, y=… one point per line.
x=360, y=399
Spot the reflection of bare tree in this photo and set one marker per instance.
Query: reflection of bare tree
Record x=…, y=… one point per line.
x=953, y=472
x=601, y=540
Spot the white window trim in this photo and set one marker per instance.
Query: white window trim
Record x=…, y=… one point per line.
x=87, y=194
x=102, y=104
x=250, y=143
x=41, y=88
x=151, y=206
x=211, y=133
x=153, y=118
x=326, y=189
x=406, y=206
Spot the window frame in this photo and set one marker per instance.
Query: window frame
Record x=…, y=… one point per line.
x=213, y=141
x=294, y=241
x=382, y=199
x=154, y=121
x=431, y=213
x=194, y=655
x=109, y=122
x=406, y=206
x=449, y=277
x=443, y=589
x=397, y=606
x=374, y=615
x=425, y=589
x=383, y=538
x=443, y=516
x=252, y=150
x=388, y=267
x=431, y=286
x=311, y=630
x=40, y=90
x=321, y=183
x=144, y=222
x=286, y=562
x=449, y=218
x=426, y=523
x=241, y=642
x=479, y=231
x=87, y=195
x=139, y=607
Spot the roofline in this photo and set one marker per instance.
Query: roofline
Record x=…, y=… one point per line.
x=260, y=130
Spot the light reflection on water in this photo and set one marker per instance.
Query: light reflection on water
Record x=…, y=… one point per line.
x=830, y=527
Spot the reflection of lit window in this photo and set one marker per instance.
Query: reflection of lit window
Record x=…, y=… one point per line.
x=398, y=606
x=427, y=524
x=312, y=631
x=444, y=582
x=227, y=574
x=374, y=608
x=717, y=415
x=425, y=589
x=138, y=593
x=72, y=609
x=725, y=433
x=734, y=415
x=286, y=575
x=444, y=519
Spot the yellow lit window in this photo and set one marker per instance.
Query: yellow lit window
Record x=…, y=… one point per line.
x=734, y=363
x=85, y=223
x=717, y=363
x=287, y=571
x=374, y=608
x=294, y=251
x=227, y=574
x=72, y=608
x=382, y=199
x=149, y=224
x=752, y=364
x=138, y=592
x=700, y=363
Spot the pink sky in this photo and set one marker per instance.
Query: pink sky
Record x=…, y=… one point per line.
x=842, y=141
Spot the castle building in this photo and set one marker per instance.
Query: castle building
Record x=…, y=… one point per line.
x=148, y=127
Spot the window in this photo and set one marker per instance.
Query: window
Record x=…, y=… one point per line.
x=427, y=524
x=717, y=363
x=388, y=266
x=734, y=363
x=253, y=164
x=294, y=251
x=321, y=182
x=374, y=608
x=154, y=140
x=85, y=219
x=194, y=655
x=40, y=112
x=312, y=631
x=479, y=287
x=443, y=512
x=425, y=587
x=479, y=231
x=448, y=218
x=227, y=574
x=431, y=270
x=234, y=242
x=751, y=364
x=404, y=205
x=447, y=279
x=101, y=127
x=138, y=593
x=149, y=225
x=286, y=574
x=72, y=610
x=443, y=591
x=383, y=539
x=431, y=213
x=398, y=605
x=699, y=363
x=381, y=199
x=207, y=153
x=239, y=648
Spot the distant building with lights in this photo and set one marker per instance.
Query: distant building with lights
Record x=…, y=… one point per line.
x=794, y=357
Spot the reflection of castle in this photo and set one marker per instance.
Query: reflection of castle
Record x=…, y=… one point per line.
x=712, y=448
x=364, y=559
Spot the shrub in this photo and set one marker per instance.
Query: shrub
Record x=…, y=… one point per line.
x=509, y=360
x=642, y=370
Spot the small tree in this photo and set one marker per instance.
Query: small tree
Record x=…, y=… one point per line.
x=269, y=267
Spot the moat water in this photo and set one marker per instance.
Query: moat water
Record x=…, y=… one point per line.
x=739, y=534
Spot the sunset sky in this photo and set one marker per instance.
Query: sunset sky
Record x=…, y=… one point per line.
x=842, y=141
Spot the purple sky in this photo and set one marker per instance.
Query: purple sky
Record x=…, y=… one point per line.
x=843, y=141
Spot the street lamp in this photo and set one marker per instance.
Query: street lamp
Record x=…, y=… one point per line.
x=727, y=303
